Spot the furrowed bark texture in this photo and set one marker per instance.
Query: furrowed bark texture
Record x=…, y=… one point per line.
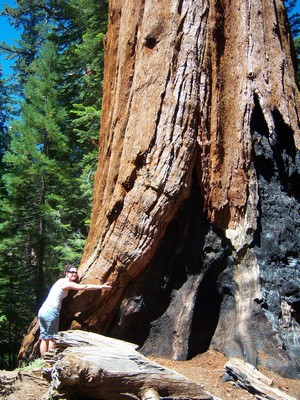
x=196, y=199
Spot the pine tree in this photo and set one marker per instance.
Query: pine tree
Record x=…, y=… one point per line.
x=293, y=17
x=5, y=110
x=88, y=109
x=5, y=286
x=49, y=163
x=31, y=18
x=37, y=236
x=294, y=22
x=85, y=58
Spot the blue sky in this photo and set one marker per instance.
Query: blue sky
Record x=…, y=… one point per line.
x=9, y=35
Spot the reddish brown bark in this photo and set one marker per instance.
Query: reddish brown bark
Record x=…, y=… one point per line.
x=179, y=89
x=187, y=86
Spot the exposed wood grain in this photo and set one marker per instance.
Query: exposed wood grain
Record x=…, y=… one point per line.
x=249, y=378
x=150, y=394
x=93, y=365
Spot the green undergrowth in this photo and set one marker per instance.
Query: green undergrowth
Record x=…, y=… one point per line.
x=38, y=363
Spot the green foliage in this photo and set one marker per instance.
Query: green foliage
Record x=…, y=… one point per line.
x=41, y=183
x=5, y=110
x=294, y=22
x=85, y=111
x=49, y=153
x=31, y=18
x=38, y=363
x=14, y=310
x=294, y=18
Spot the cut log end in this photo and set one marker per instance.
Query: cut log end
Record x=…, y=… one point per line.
x=150, y=394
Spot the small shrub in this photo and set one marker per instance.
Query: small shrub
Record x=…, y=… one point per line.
x=38, y=363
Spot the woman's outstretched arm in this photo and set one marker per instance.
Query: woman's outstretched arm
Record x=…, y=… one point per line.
x=89, y=287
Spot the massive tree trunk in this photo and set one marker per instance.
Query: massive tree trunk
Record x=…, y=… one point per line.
x=196, y=214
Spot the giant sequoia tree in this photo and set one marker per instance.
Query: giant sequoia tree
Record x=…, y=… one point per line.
x=196, y=198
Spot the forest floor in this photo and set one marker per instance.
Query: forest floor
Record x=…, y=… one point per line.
x=206, y=369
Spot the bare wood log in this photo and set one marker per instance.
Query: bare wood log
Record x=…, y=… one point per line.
x=101, y=367
x=150, y=394
x=249, y=378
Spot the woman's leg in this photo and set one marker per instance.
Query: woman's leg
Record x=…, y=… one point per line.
x=44, y=346
x=49, y=322
x=51, y=345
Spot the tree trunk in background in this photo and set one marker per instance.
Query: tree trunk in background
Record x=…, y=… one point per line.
x=196, y=201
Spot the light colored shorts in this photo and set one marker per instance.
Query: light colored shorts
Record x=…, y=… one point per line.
x=49, y=322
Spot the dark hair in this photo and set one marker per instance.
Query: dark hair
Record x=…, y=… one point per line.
x=68, y=267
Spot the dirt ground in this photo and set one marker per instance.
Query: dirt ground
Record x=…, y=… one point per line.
x=25, y=385
x=206, y=369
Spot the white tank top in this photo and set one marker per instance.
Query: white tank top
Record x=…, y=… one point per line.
x=56, y=295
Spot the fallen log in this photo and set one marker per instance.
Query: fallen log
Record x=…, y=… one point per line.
x=150, y=394
x=248, y=377
x=95, y=366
